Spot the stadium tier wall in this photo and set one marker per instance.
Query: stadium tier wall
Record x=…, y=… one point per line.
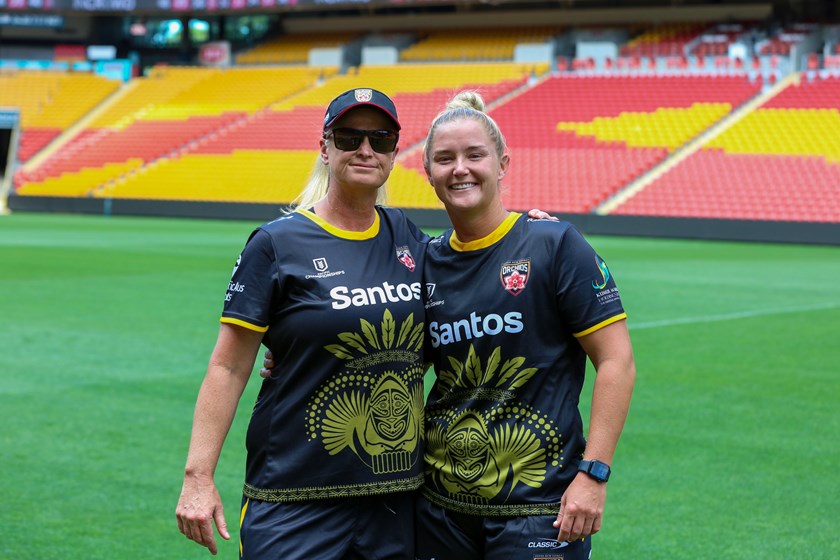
x=591, y=224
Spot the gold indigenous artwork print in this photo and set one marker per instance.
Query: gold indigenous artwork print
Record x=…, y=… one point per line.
x=376, y=416
x=473, y=463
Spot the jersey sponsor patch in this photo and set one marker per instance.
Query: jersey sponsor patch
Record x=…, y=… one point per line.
x=405, y=257
x=514, y=276
x=476, y=326
x=343, y=296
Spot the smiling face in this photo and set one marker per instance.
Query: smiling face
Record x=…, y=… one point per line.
x=362, y=168
x=464, y=167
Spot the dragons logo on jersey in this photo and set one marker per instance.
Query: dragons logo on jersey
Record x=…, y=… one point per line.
x=376, y=416
x=514, y=275
x=466, y=460
x=404, y=256
x=605, y=273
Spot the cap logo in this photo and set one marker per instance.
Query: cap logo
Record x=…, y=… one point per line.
x=363, y=95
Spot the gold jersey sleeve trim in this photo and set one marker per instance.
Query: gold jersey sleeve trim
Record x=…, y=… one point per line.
x=244, y=324
x=488, y=240
x=601, y=325
x=369, y=233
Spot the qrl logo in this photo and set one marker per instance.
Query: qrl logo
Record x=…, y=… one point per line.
x=320, y=264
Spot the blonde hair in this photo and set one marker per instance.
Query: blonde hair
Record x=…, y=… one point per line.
x=466, y=105
x=319, y=183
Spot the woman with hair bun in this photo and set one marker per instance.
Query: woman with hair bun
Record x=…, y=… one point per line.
x=514, y=306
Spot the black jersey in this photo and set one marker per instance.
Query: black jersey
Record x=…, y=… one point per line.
x=342, y=312
x=503, y=430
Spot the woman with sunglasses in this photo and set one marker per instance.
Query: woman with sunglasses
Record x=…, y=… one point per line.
x=509, y=473
x=333, y=289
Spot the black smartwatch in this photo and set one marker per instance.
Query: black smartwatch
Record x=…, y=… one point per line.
x=596, y=469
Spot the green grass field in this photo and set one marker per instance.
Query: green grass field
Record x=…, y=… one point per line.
x=730, y=451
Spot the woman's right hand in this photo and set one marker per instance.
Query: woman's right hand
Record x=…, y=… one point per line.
x=198, y=507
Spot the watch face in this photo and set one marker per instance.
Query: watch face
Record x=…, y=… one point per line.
x=600, y=471
x=596, y=469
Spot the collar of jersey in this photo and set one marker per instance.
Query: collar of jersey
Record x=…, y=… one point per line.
x=487, y=240
x=367, y=234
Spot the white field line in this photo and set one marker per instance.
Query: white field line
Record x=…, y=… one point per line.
x=732, y=316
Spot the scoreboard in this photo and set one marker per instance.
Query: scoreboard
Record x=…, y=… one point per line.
x=111, y=6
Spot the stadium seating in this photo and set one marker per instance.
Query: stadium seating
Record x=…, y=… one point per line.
x=473, y=45
x=208, y=124
x=293, y=49
x=780, y=162
x=576, y=141
x=170, y=110
x=664, y=40
x=578, y=137
x=50, y=102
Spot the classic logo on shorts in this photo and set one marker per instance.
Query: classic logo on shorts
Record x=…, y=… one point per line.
x=605, y=274
x=514, y=276
x=405, y=257
x=363, y=95
x=320, y=264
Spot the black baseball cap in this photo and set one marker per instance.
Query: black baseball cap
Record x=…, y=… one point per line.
x=356, y=98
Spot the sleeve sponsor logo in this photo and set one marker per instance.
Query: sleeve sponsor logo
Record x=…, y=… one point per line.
x=605, y=274
x=234, y=288
x=604, y=294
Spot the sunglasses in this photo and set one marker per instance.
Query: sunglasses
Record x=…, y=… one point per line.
x=349, y=139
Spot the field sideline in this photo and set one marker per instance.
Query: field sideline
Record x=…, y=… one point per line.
x=730, y=450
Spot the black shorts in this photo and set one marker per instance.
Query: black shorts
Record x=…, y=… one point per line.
x=445, y=535
x=375, y=528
